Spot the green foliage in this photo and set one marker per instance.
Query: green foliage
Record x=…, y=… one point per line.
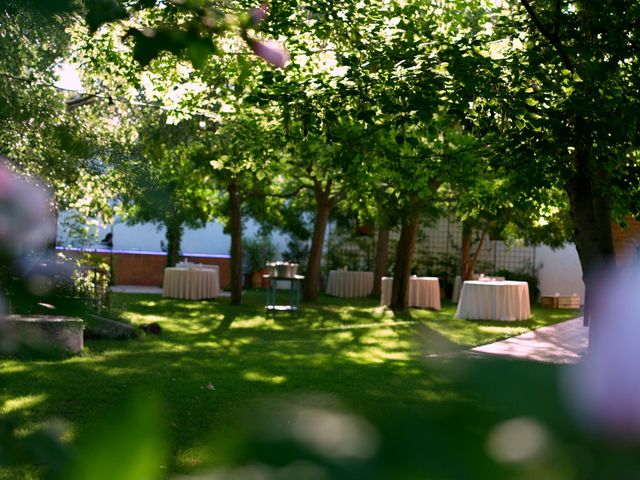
x=297, y=251
x=135, y=435
x=91, y=280
x=444, y=266
x=36, y=131
x=257, y=252
x=346, y=249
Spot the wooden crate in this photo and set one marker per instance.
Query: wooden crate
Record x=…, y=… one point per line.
x=567, y=301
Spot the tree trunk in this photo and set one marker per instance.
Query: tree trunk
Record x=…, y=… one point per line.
x=174, y=239
x=469, y=262
x=465, y=267
x=311, y=284
x=382, y=260
x=404, y=259
x=235, y=229
x=591, y=216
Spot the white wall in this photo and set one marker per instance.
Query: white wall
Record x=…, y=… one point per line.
x=561, y=272
x=211, y=239
x=148, y=237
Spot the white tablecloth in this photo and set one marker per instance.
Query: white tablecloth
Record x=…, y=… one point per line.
x=424, y=292
x=494, y=301
x=191, y=283
x=346, y=283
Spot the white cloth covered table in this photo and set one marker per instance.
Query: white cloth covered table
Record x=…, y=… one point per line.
x=347, y=283
x=494, y=300
x=424, y=292
x=191, y=283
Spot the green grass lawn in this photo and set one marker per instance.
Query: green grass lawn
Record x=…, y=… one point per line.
x=214, y=363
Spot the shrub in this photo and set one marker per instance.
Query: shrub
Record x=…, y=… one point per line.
x=257, y=252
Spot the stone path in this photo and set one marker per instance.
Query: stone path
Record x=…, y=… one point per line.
x=564, y=342
x=145, y=289
x=136, y=289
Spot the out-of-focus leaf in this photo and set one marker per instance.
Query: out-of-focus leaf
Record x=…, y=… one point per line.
x=103, y=11
x=128, y=446
x=198, y=51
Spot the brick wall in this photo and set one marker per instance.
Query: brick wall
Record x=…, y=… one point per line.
x=626, y=242
x=147, y=268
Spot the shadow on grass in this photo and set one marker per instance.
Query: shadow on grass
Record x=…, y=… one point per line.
x=213, y=359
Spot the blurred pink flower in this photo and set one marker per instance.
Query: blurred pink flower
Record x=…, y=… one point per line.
x=26, y=222
x=604, y=389
x=257, y=15
x=271, y=51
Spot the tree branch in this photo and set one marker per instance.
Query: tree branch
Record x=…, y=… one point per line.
x=553, y=39
x=288, y=194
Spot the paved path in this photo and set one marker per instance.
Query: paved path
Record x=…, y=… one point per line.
x=564, y=342
x=135, y=289
x=145, y=289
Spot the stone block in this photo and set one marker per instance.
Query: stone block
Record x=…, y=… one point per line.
x=42, y=332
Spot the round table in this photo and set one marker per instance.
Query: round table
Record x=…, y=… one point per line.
x=494, y=300
x=424, y=292
x=191, y=283
x=348, y=283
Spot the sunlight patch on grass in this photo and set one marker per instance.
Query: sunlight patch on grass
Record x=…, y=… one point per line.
x=376, y=355
x=22, y=403
x=191, y=328
x=382, y=312
x=254, y=376
x=366, y=326
x=13, y=367
x=256, y=321
x=508, y=331
x=382, y=333
x=341, y=337
x=146, y=318
x=101, y=355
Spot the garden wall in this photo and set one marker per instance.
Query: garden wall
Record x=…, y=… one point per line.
x=438, y=254
x=627, y=244
x=147, y=268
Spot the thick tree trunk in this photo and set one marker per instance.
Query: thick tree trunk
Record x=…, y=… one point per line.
x=591, y=216
x=311, y=284
x=404, y=259
x=235, y=229
x=174, y=239
x=382, y=260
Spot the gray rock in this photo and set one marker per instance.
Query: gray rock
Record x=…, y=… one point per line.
x=41, y=332
x=102, y=327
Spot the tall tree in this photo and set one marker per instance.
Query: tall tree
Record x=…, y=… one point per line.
x=163, y=183
x=561, y=86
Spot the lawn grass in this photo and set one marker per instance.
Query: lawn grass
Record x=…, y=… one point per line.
x=214, y=361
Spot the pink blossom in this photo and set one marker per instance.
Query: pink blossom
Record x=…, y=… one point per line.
x=25, y=212
x=271, y=51
x=603, y=390
x=257, y=15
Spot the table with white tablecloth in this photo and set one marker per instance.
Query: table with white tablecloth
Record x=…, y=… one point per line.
x=349, y=283
x=191, y=283
x=494, y=300
x=424, y=292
